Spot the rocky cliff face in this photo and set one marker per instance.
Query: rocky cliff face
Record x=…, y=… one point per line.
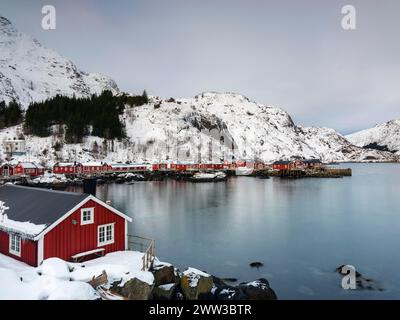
x=31, y=72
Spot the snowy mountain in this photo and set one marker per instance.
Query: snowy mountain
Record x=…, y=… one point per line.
x=31, y=72
x=208, y=127
x=385, y=136
x=257, y=131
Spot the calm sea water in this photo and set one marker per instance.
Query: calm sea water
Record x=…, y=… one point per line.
x=300, y=229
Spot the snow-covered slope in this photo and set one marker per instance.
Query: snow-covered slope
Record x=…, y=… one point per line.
x=31, y=72
x=384, y=136
x=208, y=127
x=191, y=130
x=257, y=131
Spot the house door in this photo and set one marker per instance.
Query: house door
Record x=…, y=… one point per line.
x=6, y=172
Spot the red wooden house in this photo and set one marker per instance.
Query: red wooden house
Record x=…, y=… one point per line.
x=28, y=169
x=160, y=166
x=95, y=167
x=312, y=164
x=123, y=167
x=6, y=170
x=43, y=223
x=297, y=164
x=281, y=165
x=71, y=168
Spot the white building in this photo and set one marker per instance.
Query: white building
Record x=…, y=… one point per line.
x=15, y=146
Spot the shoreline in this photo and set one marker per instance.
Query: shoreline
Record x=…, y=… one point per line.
x=58, y=181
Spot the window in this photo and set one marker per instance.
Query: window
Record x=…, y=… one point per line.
x=15, y=244
x=105, y=234
x=87, y=216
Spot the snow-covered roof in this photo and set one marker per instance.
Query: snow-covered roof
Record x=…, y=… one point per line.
x=93, y=164
x=28, y=165
x=65, y=164
x=31, y=210
x=122, y=165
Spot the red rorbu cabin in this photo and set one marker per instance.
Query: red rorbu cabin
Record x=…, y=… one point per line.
x=42, y=223
x=28, y=169
x=281, y=165
x=71, y=168
x=6, y=170
x=95, y=167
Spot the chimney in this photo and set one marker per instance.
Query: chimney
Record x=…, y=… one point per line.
x=89, y=186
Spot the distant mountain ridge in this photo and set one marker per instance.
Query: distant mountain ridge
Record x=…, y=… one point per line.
x=384, y=136
x=30, y=72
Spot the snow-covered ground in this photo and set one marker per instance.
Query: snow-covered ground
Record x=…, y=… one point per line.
x=384, y=135
x=56, y=279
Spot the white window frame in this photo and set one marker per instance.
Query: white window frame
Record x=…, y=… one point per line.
x=84, y=222
x=105, y=241
x=17, y=239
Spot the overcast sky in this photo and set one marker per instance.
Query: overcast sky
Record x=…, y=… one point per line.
x=292, y=54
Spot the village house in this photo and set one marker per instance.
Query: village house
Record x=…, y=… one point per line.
x=281, y=165
x=95, y=167
x=31, y=169
x=71, y=168
x=297, y=164
x=37, y=224
x=312, y=164
x=6, y=170
x=15, y=147
x=123, y=167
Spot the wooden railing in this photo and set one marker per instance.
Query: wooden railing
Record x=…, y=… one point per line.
x=145, y=245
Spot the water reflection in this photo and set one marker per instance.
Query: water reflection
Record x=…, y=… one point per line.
x=300, y=229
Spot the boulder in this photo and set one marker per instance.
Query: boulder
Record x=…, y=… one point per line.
x=163, y=274
x=258, y=290
x=362, y=282
x=341, y=270
x=256, y=264
x=164, y=292
x=133, y=289
x=196, y=284
x=228, y=293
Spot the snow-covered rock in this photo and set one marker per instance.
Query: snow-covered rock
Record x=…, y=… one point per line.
x=195, y=284
x=56, y=279
x=42, y=287
x=31, y=72
x=385, y=136
x=55, y=267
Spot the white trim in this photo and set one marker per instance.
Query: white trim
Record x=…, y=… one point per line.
x=65, y=216
x=12, y=251
x=126, y=235
x=83, y=222
x=106, y=242
x=40, y=250
x=117, y=212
